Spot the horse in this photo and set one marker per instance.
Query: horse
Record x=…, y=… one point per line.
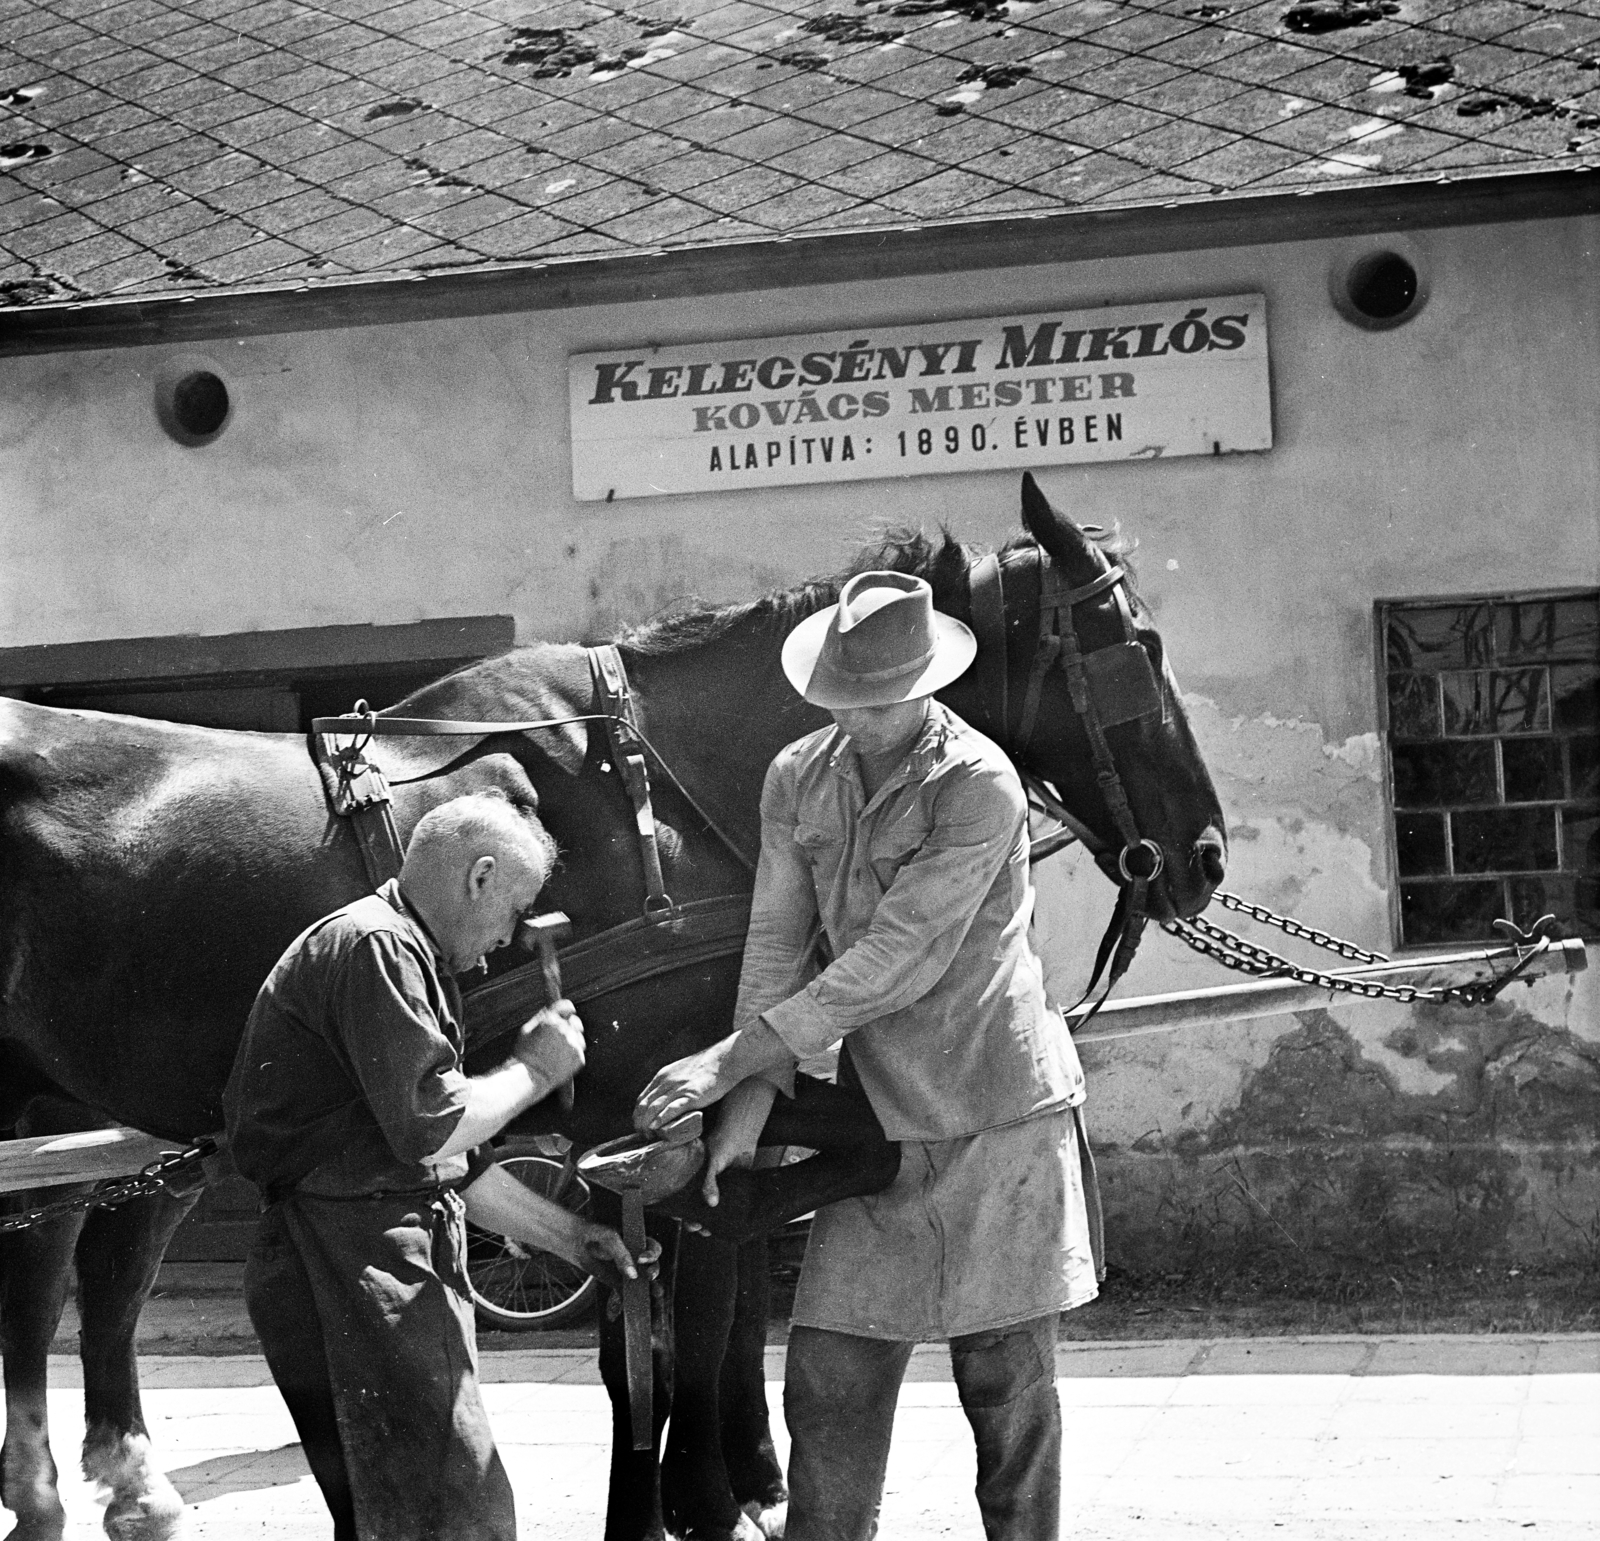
x=151, y=874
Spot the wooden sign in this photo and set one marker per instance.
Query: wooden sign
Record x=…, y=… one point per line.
x=1139, y=382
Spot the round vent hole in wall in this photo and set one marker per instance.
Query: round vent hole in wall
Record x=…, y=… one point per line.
x=192, y=401
x=1379, y=290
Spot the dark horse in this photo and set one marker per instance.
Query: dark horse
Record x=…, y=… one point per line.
x=150, y=875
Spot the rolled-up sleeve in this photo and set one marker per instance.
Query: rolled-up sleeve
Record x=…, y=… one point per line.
x=783, y=931
x=918, y=924
x=408, y=1069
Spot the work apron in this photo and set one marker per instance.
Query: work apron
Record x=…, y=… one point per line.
x=362, y=1310
x=974, y=1234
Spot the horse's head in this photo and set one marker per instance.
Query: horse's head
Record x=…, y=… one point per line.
x=1072, y=680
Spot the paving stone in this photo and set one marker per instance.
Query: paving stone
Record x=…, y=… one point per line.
x=1261, y=1468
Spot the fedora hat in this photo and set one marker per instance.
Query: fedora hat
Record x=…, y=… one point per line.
x=882, y=643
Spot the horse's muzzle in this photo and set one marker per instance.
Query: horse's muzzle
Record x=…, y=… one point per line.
x=1211, y=856
x=1184, y=888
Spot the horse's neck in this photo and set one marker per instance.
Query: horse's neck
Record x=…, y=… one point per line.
x=718, y=711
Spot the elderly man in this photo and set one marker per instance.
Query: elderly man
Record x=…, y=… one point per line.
x=348, y=1109
x=904, y=833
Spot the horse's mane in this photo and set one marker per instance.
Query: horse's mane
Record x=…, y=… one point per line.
x=897, y=550
x=942, y=560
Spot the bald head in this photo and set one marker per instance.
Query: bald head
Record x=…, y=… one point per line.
x=473, y=869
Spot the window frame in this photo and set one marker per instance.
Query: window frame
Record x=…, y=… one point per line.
x=1381, y=611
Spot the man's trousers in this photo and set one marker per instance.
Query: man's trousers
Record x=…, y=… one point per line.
x=361, y=1309
x=839, y=1399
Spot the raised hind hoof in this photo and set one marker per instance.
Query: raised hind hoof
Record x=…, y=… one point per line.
x=732, y=1220
x=655, y=1165
x=144, y=1505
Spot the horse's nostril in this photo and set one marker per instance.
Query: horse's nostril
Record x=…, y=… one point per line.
x=1212, y=856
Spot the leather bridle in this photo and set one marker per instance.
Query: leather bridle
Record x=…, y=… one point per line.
x=1108, y=685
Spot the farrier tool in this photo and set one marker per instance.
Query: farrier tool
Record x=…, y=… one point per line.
x=640, y=1169
x=548, y=932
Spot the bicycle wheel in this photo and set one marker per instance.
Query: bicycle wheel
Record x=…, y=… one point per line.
x=518, y=1288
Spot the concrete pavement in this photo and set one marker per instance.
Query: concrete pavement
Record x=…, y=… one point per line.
x=1308, y=1439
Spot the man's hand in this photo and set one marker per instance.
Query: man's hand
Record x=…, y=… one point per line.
x=551, y=1044
x=605, y=1255
x=698, y=1080
x=695, y=1081
x=733, y=1142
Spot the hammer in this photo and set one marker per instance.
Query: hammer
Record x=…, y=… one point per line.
x=547, y=932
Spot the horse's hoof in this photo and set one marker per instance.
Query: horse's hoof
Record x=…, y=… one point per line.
x=42, y=1522
x=151, y=1517
x=744, y=1529
x=769, y=1521
x=654, y=1166
x=144, y=1506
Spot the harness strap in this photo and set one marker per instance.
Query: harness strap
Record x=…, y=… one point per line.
x=989, y=621
x=364, y=721
x=615, y=700
x=700, y=931
x=1110, y=576
x=1044, y=659
x=358, y=792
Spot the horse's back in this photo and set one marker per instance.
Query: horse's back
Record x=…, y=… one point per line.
x=150, y=875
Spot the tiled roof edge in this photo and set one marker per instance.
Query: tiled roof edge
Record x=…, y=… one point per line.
x=877, y=252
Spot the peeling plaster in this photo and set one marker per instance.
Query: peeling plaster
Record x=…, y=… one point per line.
x=1360, y=752
x=1339, y=1152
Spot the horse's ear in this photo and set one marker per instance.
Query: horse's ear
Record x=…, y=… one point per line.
x=948, y=571
x=1077, y=556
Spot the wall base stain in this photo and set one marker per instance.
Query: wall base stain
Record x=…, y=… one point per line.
x=1325, y=1162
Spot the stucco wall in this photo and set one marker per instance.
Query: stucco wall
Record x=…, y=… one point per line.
x=390, y=474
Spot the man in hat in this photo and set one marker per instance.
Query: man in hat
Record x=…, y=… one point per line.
x=904, y=833
x=348, y=1109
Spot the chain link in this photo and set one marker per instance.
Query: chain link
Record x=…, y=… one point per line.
x=1270, y=962
x=1243, y=958
x=1295, y=928
x=114, y=1191
x=1233, y=952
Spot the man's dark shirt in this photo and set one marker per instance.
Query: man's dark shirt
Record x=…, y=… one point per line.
x=348, y=1077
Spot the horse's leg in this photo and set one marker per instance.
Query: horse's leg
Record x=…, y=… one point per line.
x=697, y=1494
x=35, y=1266
x=853, y=1158
x=118, y=1256
x=753, y=1469
x=633, y=1498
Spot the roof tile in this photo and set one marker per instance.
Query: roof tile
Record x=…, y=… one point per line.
x=763, y=116
x=217, y=241
x=100, y=247
x=797, y=208
x=1244, y=163
x=111, y=277
x=349, y=224
x=397, y=248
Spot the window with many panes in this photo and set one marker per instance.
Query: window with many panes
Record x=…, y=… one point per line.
x=1494, y=758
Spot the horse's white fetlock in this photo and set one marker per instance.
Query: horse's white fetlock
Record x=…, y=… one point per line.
x=28, y=1479
x=769, y=1521
x=144, y=1505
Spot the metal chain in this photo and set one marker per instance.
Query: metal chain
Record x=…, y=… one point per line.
x=1240, y=960
x=1295, y=928
x=114, y=1191
x=1245, y=958
x=1270, y=962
